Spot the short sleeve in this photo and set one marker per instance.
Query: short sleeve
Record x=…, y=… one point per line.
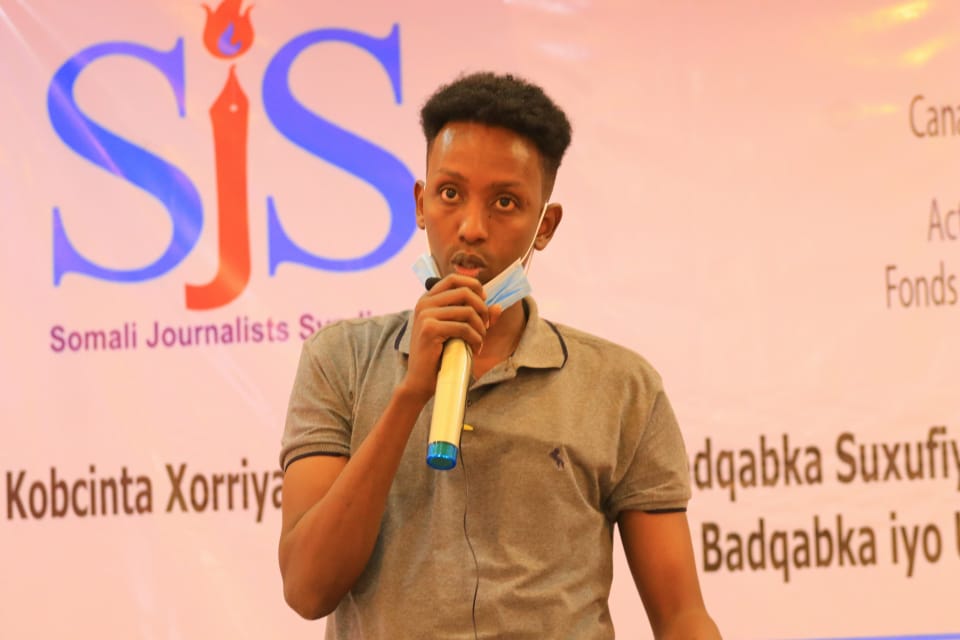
x=657, y=475
x=319, y=415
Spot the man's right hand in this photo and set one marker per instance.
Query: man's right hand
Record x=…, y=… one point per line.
x=453, y=308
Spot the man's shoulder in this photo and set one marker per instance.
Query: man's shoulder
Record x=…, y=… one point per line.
x=368, y=333
x=588, y=347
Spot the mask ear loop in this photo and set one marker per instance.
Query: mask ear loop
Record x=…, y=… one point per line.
x=528, y=254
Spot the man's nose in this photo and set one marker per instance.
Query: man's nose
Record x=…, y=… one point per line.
x=473, y=223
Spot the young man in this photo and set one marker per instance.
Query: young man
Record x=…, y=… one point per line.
x=568, y=434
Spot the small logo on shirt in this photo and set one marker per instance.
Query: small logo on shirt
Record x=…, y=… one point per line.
x=555, y=454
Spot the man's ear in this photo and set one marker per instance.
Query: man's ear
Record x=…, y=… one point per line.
x=418, y=188
x=548, y=226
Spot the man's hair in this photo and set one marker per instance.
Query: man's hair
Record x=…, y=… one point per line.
x=501, y=101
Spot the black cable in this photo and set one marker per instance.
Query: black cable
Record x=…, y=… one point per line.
x=466, y=535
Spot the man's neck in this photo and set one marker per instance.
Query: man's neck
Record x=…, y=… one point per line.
x=501, y=340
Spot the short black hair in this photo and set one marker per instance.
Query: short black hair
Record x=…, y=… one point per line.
x=505, y=101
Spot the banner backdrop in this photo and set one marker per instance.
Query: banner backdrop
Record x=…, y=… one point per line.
x=761, y=198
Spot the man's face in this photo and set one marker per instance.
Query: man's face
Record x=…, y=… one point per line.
x=481, y=199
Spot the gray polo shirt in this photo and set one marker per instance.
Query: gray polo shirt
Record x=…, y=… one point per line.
x=567, y=433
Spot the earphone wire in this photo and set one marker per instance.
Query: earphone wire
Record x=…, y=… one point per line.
x=466, y=535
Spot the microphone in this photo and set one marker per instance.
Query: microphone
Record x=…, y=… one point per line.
x=449, y=404
x=449, y=401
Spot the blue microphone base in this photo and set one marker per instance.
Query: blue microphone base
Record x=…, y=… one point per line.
x=442, y=455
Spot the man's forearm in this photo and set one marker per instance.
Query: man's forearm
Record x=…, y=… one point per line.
x=324, y=552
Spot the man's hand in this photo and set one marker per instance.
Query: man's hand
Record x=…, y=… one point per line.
x=453, y=308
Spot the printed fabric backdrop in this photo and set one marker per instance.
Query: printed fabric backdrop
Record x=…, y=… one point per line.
x=761, y=198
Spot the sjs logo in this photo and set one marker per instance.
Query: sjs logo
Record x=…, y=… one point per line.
x=228, y=34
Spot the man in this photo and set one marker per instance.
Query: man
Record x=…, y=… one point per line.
x=567, y=433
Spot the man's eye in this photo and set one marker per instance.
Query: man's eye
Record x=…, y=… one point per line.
x=505, y=203
x=448, y=193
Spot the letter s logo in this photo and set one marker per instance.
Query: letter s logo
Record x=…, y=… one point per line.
x=346, y=150
x=131, y=163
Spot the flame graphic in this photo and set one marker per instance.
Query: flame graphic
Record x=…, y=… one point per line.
x=228, y=34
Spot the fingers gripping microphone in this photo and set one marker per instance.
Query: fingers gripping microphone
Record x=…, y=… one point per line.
x=449, y=403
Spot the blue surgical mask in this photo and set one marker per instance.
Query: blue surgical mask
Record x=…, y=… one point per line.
x=508, y=287
x=426, y=267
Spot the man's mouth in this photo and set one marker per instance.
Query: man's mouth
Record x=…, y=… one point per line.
x=468, y=264
x=473, y=273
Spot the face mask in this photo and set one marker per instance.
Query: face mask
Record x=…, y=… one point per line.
x=426, y=267
x=510, y=285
